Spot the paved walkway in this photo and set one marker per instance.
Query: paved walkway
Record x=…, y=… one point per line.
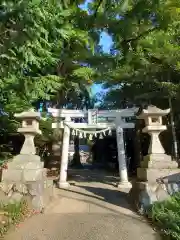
x=92, y=209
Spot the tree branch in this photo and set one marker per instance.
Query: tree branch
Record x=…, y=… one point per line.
x=97, y=8
x=143, y=34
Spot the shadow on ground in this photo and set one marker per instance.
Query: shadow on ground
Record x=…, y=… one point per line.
x=98, y=185
x=111, y=196
x=111, y=200
x=122, y=214
x=87, y=175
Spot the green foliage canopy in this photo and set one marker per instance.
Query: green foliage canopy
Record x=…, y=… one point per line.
x=37, y=39
x=145, y=51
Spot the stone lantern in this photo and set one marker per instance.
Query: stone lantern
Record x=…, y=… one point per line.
x=29, y=128
x=156, y=157
x=158, y=176
x=25, y=174
x=153, y=126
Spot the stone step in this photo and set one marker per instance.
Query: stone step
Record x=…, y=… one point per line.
x=152, y=175
x=158, y=161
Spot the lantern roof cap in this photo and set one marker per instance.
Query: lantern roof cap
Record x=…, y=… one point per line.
x=31, y=114
x=152, y=110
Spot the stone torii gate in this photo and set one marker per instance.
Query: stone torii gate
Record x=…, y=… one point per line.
x=63, y=119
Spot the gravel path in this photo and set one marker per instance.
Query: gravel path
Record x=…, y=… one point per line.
x=89, y=210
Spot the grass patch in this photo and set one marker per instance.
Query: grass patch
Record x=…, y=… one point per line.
x=11, y=214
x=166, y=216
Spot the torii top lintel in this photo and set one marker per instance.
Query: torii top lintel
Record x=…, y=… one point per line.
x=63, y=113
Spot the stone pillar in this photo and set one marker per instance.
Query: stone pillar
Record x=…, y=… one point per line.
x=155, y=146
x=64, y=159
x=124, y=183
x=28, y=146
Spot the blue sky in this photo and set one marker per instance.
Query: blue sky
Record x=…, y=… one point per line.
x=105, y=42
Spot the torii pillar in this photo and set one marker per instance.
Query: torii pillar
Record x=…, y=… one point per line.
x=64, y=160
x=123, y=172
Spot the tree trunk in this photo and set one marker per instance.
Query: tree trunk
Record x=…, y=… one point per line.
x=138, y=145
x=76, y=157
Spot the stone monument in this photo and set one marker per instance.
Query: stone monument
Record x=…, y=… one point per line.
x=25, y=174
x=158, y=176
